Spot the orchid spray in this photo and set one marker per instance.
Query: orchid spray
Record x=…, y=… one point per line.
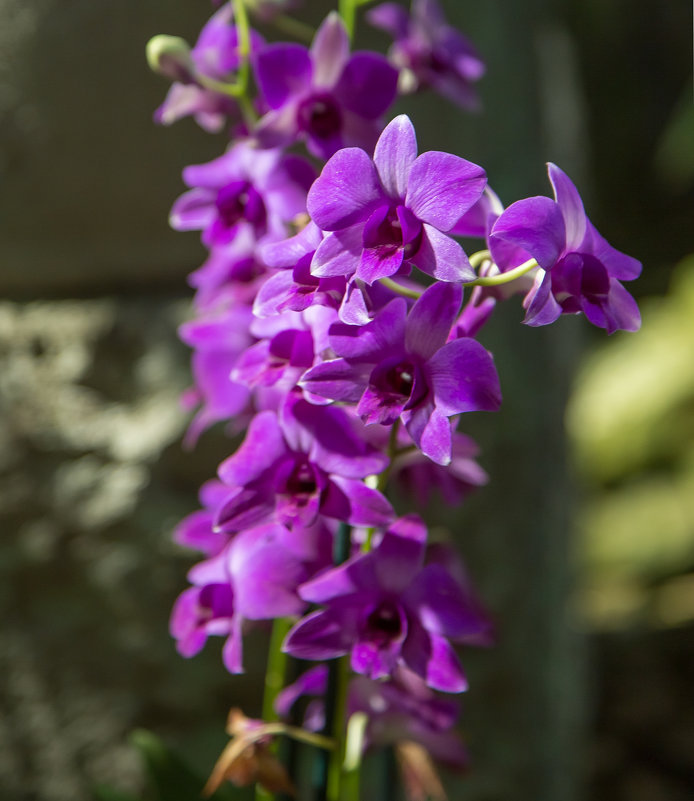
x=335, y=322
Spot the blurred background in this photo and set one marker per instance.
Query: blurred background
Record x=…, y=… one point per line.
x=583, y=543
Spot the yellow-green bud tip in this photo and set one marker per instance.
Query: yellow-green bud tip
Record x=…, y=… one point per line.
x=170, y=56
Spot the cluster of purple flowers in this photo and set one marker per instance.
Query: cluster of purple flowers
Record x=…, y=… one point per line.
x=312, y=334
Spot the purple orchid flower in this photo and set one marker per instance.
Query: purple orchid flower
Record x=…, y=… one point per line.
x=401, y=709
x=287, y=347
x=297, y=288
x=292, y=287
x=197, y=531
x=262, y=189
x=404, y=709
x=308, y=461
x=429, y=52
x=325, y=95
x=400, y=366
x=580, y=271
x=218, y=341
x=230, y=275
x=393, y=211
x=387, y=609
x=215, y=55
x=255, y=577
x=421, y=477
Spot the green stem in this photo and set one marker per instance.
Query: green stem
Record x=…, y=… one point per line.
x=329, y=767
x=275, y=677
x=477, y=258
x=400, y=289
x=347, y=9
x=336, y=772
x=354, y=746
x=505, y=278
x=276, y=672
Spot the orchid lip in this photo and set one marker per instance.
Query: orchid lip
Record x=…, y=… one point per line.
x=384, y=623
x=319, y=116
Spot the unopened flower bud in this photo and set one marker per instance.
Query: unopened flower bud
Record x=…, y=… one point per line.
x=170, y=56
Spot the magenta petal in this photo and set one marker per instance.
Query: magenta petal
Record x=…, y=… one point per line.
x=262, y=445
x=353, y=309
x=619, y=312
x=367, y=85
x=329, y=51
x=193, y=210
x=274, y=294
x=390, y=17
x=429, y=322
x=442, y=187
x=543, y=308
x=266, y=575
x=287, y=253
x=537, y=226
x=442, y=606
x=377, y=407
x=222, y=170
x=374, y=660
x=395, y=154
x=232, y=652
x=442, y=257
x=313, y=682
x=336, y=380
x=398, y=559
x=430, y=430
x=378, y=262
x=432, y=657
x=282, y=70
x=352, y=501
x=624, y=309
x=245, y=508
x=321, y=635
x=374, y=341
x=571, y=206
x=339, y=253
x=463, y=378
x=617, y=264
x=350, y=578
x=195, y=531
x=346, y=192
x=337, y=446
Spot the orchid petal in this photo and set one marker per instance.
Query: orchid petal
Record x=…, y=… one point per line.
x=571, y=206
x=395, y=154
x=282, y=70
x=442, y=257
x=346, y=192
x=537, y=226
x=463, y=378
x=430, y=319
x=442, y=187
x=329, y=51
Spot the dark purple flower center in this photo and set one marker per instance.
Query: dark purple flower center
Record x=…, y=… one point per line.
x=384, y=623
x=214, y=601
x=386, y=232
x=396, y=379
x=579, y=275
x=240, y=201
x=400, y=379
x=301, y=482
x=320, y=116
